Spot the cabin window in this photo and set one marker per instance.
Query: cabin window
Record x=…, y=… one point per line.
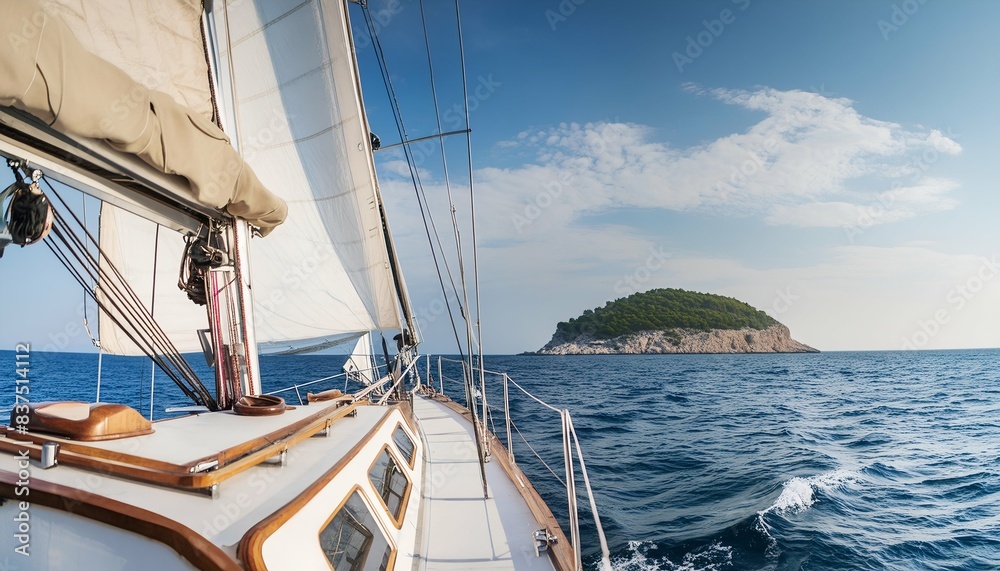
x=390, y=483
x=404, y=444
x=352, y=540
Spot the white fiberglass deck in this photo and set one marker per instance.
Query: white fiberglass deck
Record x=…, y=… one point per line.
x=469, y=532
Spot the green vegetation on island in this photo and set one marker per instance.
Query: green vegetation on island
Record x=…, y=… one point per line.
x=665, y=310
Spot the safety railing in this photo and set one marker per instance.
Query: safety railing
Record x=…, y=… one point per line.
x=377, y=387
x=572, y=452
x=376, y=373
x=570, y=444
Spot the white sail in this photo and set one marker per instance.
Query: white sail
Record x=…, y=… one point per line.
x=359, y=365
x=295, y=103
x=291, y=100
x=146, y=257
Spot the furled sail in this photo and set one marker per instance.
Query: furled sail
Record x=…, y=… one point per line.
x=289, y=86
x=49, y=73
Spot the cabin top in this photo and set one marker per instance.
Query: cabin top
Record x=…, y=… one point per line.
x=194, y=452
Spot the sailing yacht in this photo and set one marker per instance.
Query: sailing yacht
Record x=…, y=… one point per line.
x=230, y=138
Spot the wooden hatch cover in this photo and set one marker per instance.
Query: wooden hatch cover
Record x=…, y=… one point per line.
x=82, y=421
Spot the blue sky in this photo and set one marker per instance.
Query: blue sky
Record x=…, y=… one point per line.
x=832, y=163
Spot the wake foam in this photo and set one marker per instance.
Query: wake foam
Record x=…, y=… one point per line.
x=712, y=557
x=797, y=494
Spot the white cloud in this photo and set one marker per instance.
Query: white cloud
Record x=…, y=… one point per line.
x=811, y=161
x=885, y=207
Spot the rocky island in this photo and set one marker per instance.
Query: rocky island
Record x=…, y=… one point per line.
x=672, y=321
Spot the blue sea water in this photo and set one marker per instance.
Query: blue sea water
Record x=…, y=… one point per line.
x=867, y=460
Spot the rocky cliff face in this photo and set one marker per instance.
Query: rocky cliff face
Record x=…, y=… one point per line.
x=774, y=339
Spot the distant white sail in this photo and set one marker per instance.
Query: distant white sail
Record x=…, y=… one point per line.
x=359, y=365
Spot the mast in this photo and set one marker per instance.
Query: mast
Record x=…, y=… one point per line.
x=250, y=375
x=247, y=376
x=300, y=147
x=397, y=278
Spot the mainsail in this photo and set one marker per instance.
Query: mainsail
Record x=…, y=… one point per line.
x=288, y=70
x=290, y=100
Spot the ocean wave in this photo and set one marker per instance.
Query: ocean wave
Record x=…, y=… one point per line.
x=798, y=494
x=638, y=557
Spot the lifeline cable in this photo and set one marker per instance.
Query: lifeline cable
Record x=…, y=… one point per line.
x=121, y=303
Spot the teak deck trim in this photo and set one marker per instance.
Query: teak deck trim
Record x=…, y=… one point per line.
x=231, y=461
x=190, y=545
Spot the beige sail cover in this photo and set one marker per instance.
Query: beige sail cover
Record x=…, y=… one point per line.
x=148, y=40
x=47, y=72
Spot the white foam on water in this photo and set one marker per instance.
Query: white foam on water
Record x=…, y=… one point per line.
x=796, y=496
x=798, y=493
x=714, y=557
